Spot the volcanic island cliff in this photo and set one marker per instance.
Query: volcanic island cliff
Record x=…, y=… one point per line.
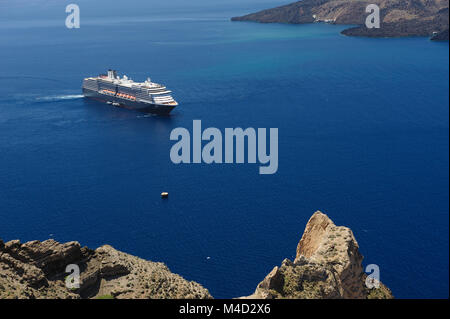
x=327, y=265
x=398, y=18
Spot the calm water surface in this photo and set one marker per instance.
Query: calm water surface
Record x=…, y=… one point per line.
x=363, y=136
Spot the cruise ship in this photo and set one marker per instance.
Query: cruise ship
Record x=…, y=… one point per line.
x=145, y=96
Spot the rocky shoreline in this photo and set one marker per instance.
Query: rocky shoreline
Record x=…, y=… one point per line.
x=328, y=265
x=399, y=18
x=37, y=270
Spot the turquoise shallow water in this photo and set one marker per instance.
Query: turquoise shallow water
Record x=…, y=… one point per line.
x=363, y=136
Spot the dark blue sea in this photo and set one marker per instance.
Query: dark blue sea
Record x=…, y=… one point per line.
x=363, y=136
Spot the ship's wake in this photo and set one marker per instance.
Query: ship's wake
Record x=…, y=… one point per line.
x=56, y=98
x=36, y=99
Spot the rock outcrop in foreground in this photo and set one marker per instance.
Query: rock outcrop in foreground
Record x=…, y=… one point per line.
x=327, y=265
x=37, y=270
x=398, y=18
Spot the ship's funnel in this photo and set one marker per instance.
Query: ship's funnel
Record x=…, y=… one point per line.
x=112, y=74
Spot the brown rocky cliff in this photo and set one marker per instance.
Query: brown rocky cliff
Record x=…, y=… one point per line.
x=328, y=264
x=398, y=17
x=37, y=270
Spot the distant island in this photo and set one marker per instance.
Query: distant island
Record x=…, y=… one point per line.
x=328, y=265
x=398, y=18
